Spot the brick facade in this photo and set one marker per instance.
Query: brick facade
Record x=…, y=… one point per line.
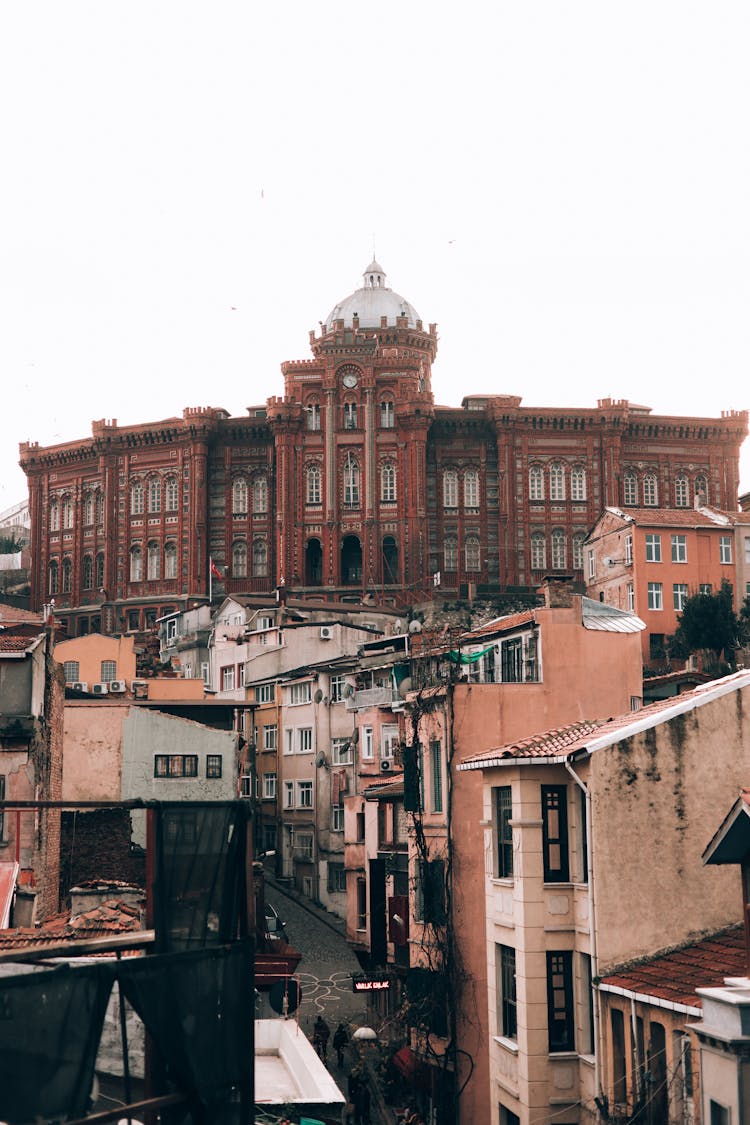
x=351, y=481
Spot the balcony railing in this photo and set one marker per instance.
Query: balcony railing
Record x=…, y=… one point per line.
x=371, y=697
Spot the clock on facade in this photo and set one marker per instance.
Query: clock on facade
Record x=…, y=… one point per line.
x=350, y=380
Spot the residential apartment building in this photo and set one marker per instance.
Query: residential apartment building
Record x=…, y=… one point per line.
x=651, y=562
x=592, y=837
x=352, y=481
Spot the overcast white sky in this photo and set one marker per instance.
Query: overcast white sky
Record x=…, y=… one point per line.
x=187, y=190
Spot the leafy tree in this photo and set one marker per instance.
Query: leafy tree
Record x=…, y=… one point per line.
x=9, y=545
x=708, y=622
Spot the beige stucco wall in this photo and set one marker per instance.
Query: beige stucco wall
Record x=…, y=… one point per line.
x=90, y=651
x=658, y=798
x=92, y=749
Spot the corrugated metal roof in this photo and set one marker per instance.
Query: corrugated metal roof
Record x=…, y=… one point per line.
x=608, y=618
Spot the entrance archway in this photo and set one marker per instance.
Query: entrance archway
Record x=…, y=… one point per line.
x=390, y=561
x=313, y=563
x=351, y=561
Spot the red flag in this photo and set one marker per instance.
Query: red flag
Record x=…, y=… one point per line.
x=215, y=570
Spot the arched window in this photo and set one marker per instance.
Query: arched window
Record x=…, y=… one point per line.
x=312, y=484
x=650, y=490
x=701, y=488
x=351, y=482
x=239, y=559
x=88, y=509
x=578, y=540
x=578, y=483
x=471, y=489
x=54, y=516
x=260, y=494
x=260, y=558
x=171, y=494
x=67, y=513
x=538, y=551
x=54, y=577
x=450, y=488
x=681, y=491
x=630, y=492
x=154, y=494
x=99, y=578
x=387, y=414
x=313, y=415
x=67, y=576
x=136, y=499
x=100, y=507
x=556, y=481
x=536, y=483
x=471, y=552
x=136, y=564
x=450, y=553
x=153, y=558
x=388, y=482
x=87, y=572
x=350, y=415
x=239, y=497
x=558, y=549
x=170, y=560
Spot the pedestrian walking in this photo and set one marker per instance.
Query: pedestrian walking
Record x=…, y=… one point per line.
x=340, y=1040
x=321, y=1033
x=362, y=1105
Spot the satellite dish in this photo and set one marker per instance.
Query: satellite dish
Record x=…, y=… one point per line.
x=320, y=760
x=415, y=626
x=355, y=736
x=318, y=696
x=348, y=691
x=404, y=687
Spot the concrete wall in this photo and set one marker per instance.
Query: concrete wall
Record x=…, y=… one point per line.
x=92, y=749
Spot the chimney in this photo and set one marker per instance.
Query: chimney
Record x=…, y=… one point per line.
x=558, y=592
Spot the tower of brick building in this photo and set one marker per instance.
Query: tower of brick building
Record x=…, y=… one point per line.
x=352, y=482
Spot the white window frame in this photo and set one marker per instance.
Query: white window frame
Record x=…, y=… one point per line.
x=270, y=781
x=305, y=740
x=557, y=481
x=471, y=488
x=450, y=489
x=655, y=596
x=288, y=794
x=725, y=549
x=628, y=549
x=367, y=741
x=264, y=693
x=341, y=752
x=305, y=795
x=559, y=553
x=681, y=491
x=653, y=547
x=389, y=739
x=337, y=818
x=227, y=677
x=578, y=483
x=270, y=736
x=679, y=595
x=536, y=482
x=679, y=548
x=300, y=692
x=630, y=490
x=650, y=491
x=538, y=547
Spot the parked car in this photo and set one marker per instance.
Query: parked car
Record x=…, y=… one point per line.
x=275, y=926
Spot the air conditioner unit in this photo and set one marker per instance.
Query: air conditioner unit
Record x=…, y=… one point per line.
x=135, y=684
x=79, y=686
x=326, y=632
x=386, y=765
x=99, y=689
x=117, y=686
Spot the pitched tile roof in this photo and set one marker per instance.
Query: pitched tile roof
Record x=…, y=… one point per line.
x=112, y=917
x=12, y=613
x=500, y=624
x=14, y=644
x=675, y=976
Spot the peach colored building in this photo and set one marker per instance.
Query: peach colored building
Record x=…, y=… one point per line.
x=592, y=837
x=650, y=560
x=96, y=662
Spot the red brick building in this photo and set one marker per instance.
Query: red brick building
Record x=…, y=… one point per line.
x=353, y=480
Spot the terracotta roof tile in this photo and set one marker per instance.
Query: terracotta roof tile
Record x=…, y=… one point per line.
x=14, y=642
x=500, y=624
x=675, y=976
x=112, y=917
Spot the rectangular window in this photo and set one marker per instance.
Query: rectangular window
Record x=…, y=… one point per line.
x=213, y=765
x=631, y=597
x=289, y=742
x=360, y=826
x=264, y=693
x=725, y=548
x=240, y=675
x=653, y=548
x=747, y=549
x=336, y=878
x=303, y=845
x=505, y=969
x=655, y=596
x=436, y=766
x=361, y=904
x=705, y=588
x=304, y=794
x=227, y=678
x=341, y=752
x=430, y=904
x=269, y=786
x=620, y=1085
x=368, y=745
x=679, y=548
x=337, y=818
x=301, y=692
x=511, y=661
x=176, y=765
x=305, y=740
x=656, y=646
x=560, y=1011
x=504, y=837
x=680, y=595
x=336, y=688
x=288, y=794
x=592, y=565
x=555, y=833
x=388, y=741
x=72, y=671
x=270, y=737
x=587, y=1006
x=719, y=1114
x=628, y=549
x=108, y=671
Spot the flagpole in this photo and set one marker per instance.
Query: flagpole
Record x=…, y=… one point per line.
x=210, y=582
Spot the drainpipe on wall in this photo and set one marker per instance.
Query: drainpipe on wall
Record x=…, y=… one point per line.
x=592, y=928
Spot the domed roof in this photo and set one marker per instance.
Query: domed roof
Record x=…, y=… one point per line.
x=373, y=301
